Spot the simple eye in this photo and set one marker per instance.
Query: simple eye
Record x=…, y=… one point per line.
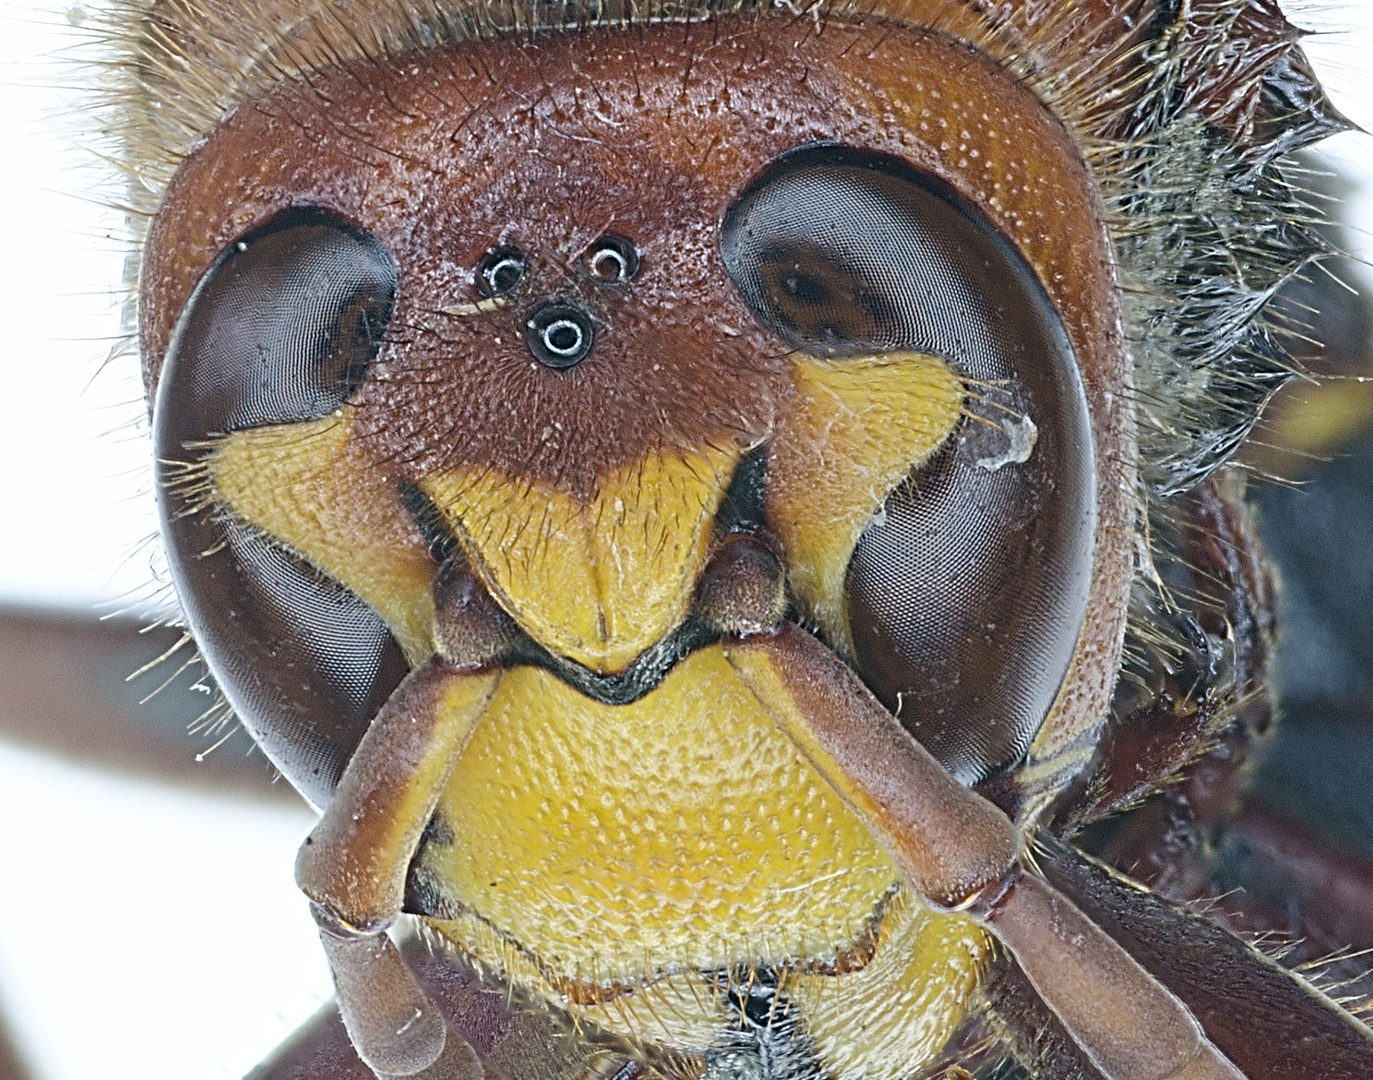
x=966, y=595
x=611, y=260
x=560, y=334
x=280, y=330
x=500, y=271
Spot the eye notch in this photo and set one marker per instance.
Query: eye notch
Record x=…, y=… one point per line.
x=560, y=334
x=500, y=271
x=611, y=260
x=965, y=596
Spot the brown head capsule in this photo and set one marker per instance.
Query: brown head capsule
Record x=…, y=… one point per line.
x=728, y=419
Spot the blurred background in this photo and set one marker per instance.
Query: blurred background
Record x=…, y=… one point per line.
x=149, y=926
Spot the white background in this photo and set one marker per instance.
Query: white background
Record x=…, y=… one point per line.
x=197, y=951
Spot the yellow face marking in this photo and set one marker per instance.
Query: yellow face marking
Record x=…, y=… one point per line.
x=309, y=486
x=634, y=847
x=600, y=581
x=860, y=425
x=683, y=830
x=615, y=859
x=597, y=581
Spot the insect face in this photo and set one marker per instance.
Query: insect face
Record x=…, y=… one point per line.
x=680, y=533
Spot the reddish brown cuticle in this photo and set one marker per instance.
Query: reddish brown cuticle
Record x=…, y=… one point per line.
x=452, y=164
x=659, y=176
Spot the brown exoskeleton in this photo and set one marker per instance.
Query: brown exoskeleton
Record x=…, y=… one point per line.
x=671, y=482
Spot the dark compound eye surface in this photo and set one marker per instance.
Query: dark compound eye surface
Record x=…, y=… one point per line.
x=611, y=260
x=281, y=329
x=500, y=271
x=966, y=595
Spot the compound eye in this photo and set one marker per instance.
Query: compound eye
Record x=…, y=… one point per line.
x=965, y=596
x=500, y=271
x=280, y=330
x=611, y=260
x=806, y=250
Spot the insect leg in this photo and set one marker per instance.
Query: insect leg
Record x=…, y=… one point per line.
x=353, y=865
x=505, y=1034
x=1227, y=983
x=957, y=850
x=395, y=1027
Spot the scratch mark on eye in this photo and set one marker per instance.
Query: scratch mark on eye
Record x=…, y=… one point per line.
x=1023, y=434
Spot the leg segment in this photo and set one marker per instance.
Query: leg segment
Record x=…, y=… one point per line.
x=396, y=1028
x=494, y=1031
x=956, y=850
x=353, y=865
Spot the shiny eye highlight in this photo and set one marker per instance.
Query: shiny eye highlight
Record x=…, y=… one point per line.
x=965, y=595
x=500, y=271
x=611, y=260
